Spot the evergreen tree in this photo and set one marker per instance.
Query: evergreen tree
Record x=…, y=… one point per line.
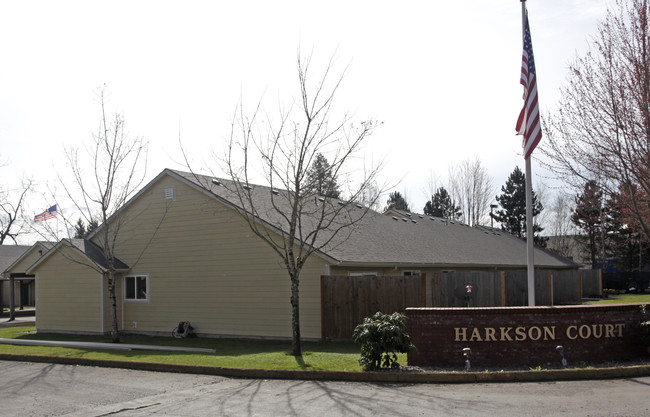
x=625, y=242
x=441, y=205
x=512, y=214
x=397, y=202
x=588, y=217
x=80, y=229
x=320, y=178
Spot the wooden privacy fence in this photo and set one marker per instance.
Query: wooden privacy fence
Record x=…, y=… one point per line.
x=346, y=301
x=510, y=288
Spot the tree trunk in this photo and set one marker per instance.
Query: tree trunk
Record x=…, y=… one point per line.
x=296, y=349
x=115, y=335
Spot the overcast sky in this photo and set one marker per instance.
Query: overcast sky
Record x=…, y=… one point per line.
x=443, y=77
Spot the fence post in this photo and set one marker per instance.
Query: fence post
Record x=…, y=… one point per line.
x=423, y=289
x=600, y=282
x=504, y=289
x=550, y=287
x=579, y=287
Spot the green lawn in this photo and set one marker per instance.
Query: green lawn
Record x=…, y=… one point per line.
x=623, y=299
x=232, y=353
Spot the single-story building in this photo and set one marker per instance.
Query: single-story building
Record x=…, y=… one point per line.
x=17, y=258
x=184, y=252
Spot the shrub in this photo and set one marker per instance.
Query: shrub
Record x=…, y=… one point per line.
x=645, y=325
x=382, y=337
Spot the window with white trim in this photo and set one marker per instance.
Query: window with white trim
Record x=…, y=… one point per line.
x=136, y=288
x=362, y=274
x=411, y=272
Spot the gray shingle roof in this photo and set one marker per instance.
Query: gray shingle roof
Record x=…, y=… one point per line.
x=9, y=254
x=95, y=253
x=386, y=240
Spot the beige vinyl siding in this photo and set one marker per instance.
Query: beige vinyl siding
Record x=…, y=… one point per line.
x=20, y=267
x=29, y=259
x=206, y=266
x=67, y=295
x=106, y=305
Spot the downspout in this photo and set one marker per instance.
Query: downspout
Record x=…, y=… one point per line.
x=101, y=302
x=121, y=299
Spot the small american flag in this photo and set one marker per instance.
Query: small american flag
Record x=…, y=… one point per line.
x=528, y=123
x=46, y=215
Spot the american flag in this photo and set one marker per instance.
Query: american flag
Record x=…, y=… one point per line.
x=46, y=215
x=528, y=123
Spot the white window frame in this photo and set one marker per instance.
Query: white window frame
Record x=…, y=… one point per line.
x=147, y=288
x=362, y=274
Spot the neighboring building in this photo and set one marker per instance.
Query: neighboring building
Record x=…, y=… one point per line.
x=186, y=253
x=8, y=255
x=17, y=259
x=571, y=247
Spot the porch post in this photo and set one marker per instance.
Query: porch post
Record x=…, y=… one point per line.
x=21, y=283
x=12, y=294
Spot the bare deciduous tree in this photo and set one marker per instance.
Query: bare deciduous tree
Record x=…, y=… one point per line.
x=286, y=148
x=112, y=172
x=601, y=130
x=471, y=188
x=12, y=203
x=560, y=226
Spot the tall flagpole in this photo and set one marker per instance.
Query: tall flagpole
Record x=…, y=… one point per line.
x=530, y=248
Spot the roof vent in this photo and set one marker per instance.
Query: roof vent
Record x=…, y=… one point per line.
x=421, y=216
x=395, y=218
x=216, y=181
x=431, y=218
x=414, y=221
x=170, y=194
x=405, y=220
x=359, y=206
x=321, y=199
x=275, y=192
x=246, y=187
x=341, y=203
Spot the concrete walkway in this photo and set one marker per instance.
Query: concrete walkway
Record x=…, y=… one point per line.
x=103, y=346
x=23, y=318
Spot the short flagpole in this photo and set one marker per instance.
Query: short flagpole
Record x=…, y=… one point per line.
x=530, y=247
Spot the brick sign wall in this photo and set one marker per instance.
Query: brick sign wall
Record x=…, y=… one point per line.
x=524, y=335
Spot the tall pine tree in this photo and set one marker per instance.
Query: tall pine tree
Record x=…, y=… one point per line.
x=321, y=179
x=441, y=205
x=512, y=214
x=397, y=202
x=588, y=217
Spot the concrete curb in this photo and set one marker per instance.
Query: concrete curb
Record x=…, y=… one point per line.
x=402, y=377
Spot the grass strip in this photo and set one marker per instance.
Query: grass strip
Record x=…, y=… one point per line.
x=623, y=299
x=230, y=353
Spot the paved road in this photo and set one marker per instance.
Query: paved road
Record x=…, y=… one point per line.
x=36, y=389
